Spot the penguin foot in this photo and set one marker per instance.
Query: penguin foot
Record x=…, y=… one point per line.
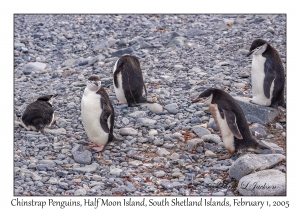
x=223, y=157
x=99, y=148
x=96, y=147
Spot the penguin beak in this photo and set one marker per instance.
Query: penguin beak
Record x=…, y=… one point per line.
x=95, y=83
x=250, y=53
x=198, y=99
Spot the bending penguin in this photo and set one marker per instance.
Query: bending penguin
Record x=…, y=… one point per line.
x=267, y=75
x=230, y=120
x=39, y=114
x=128, y=80
x=97, y=114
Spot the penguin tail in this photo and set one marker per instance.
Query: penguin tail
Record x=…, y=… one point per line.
x=283, y=105
x=143, y=100
x=41, y=129
x=260, y=146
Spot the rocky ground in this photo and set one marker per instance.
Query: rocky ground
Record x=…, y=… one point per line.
x=158, y=153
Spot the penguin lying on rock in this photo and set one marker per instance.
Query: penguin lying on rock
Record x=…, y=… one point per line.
x=230, y=120
x=97, y=114
x=39, y=114
x=267, y=75
x=128, y=81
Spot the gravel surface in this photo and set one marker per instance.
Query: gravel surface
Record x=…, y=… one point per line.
x=181, y=55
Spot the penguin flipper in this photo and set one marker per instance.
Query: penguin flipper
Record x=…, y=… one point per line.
x=231, y=121
x=106, y=112
x=269, y=78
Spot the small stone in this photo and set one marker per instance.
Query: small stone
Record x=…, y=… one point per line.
x=80, y=191
x=146, y=121
x=81, y=156
x=239, y=85
x=154, y=107
x=115, y=171
x=159, y=173
x=136, y=163
x=56, y=131
x=193, y=144
x=33, y=66
x=86, y=169
x=52, y=180
x=125, y=121
x=138, y=114
x=272, y=146
x=200, y=131
x=71, y=104
x=271, y=30
x=172, y=108
x=47, y=162
x=153, y=133
x=218, y=194
x=209, y=153
x=158, y=142
x=258, y=130
x=278, y=126
x=128, y=132
x=212, y=138
x=244, y=73
x=174, y=156
x=63, y=185
x=162, y=152
x=121, y=52
x=35, y=177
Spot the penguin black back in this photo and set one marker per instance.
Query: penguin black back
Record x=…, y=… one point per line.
x=132, y=79
x=107, y=113
x=39, y=114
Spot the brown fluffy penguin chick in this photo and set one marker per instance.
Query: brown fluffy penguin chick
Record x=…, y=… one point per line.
x=39, y=114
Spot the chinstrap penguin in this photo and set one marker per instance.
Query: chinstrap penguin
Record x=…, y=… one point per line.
x=97, y=114
x=39, y=114
x=267, y=75
x=128, y=81
x=230, y=120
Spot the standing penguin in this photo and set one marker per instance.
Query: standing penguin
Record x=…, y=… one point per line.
x=39, y=114
x=267, y=75
x=97, y=114
x=230, y=120
x=128, y=80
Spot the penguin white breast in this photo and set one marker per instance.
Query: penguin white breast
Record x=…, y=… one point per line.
x=257, y=80
x=120, y=91
x=227, y=135
x=90, y=113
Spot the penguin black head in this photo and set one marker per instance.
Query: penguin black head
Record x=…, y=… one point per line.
x=258, y=46
x=208, y=94
x=94, y=83
x=45, y=98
